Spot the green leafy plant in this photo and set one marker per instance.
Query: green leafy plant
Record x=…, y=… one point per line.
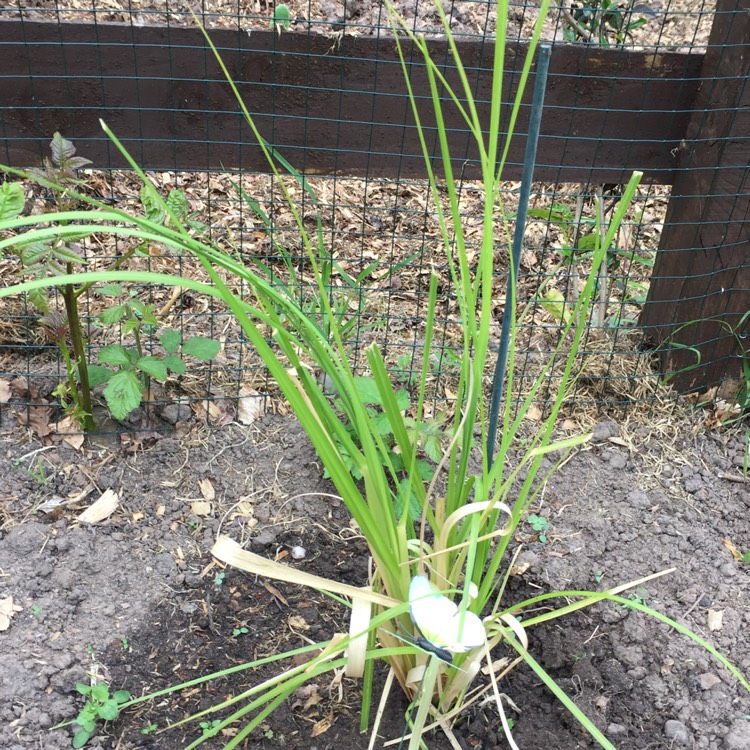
x=236, y=632
x=580, y=237
x=540, y=524
x=100, y=706
x=150, y=729
x=440, y=542
x=36, y=471
x=281, y=17
x=56, y=256
x=604, y=21
x=127, y=370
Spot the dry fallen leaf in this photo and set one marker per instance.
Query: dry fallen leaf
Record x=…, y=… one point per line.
x=250, y=405
x=207, y=489
x=271, y=589
x=534, y=414
x=7, y=610
x=519, y=568
x=715, y=619
x=297, y=623
x=736, y=554
x=38, y=420
x=322, y=726
x=4, y=391
x=69, y=425
x=103, y=508
x=200, y=508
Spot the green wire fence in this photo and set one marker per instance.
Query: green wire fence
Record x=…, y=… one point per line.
x=661, y=90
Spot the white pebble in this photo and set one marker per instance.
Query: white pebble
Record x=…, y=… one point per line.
x=298, y=553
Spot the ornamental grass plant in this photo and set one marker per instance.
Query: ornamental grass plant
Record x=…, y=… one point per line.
x=440, y=527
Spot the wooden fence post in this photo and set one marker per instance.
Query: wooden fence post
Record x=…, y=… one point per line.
x=702, y=270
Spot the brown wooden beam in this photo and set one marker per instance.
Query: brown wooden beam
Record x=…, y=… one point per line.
x=330, y=105
x=702, y=272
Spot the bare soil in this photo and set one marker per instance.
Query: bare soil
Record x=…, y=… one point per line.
x=135, y=599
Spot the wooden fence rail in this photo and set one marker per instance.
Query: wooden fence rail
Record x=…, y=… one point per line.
x=340, y=105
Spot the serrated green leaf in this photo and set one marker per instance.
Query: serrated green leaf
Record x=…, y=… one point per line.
x=112, y=315
x=122, y=696
x=402, y=399
x=62, y=149
x=11, y=200
x=553, y=301
x=83, y=689
x=281, y=17
x=424, y=470
x=130, y=325
x=178, y=203
x=114, y=354
x=152, y=366
x=100, y=692
x=201, y=347
x=99, y=375
x=367, y=390
x=77, y=162
x=383, y=425
x=433, y=449
x=81, y=737
x=109, y=710
x=123, y=393
x=38, y=298
x=32, y=252
x=175, y=364
x=111, y=290
x=170, y=340
x=151, y=206
x=64, y=254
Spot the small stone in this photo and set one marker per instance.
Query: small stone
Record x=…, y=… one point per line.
x=738, y=737
x=265, y=537
x=708, y=680
x=616, y=459
x=604, y=430
x=693, y=484
x=677, y=732
x=639, y=499
x=299, y=553
x=616, y=730
x=174, y=413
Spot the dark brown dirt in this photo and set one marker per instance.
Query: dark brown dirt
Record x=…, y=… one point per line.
x=133, y=599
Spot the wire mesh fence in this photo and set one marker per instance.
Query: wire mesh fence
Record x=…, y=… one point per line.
x=623, y=94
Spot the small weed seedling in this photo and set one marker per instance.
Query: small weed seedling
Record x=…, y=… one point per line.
x=605, y=21
x=239, y=631
x=639, y=596
x=149, y=729
x=100, y=706
x=127, y=369
x=35, y=471
x=540, y=524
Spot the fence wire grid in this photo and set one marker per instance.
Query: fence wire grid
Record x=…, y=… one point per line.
x=649, y=86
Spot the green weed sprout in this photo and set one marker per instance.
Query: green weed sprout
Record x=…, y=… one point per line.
x=100, y=706
x=457, y=539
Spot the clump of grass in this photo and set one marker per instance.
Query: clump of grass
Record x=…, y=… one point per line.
x=440, y=540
